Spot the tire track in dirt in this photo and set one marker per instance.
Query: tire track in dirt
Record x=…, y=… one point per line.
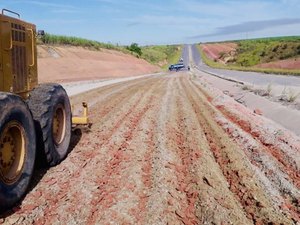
x=168, y=202
x=98, y=95
x=287, y=164
x=140, y=211
x=216, y=204
x=105, y=135
x=285, y=156
x=85, y=155
x=185, y=196
x=187, y=155
x=141, y=164
x=280, y=180
x=175, y=191
x=172, y=199
x=158, y=153
x=157, y=201
x=120, y=154
x=237, y=171
x=106, y=197
x=282, y=191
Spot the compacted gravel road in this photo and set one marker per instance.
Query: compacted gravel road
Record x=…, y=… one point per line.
x=168, y=149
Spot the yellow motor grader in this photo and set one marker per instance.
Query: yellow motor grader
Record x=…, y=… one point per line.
x=35, y=119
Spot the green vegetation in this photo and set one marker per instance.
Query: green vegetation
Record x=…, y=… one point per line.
x=162, y=55
x=75, y=41
x=134, y=47
x=252, y=52
x=268, y=39
x=158, y=55
x=214, y=64
x=256, y=51
x=288, y=96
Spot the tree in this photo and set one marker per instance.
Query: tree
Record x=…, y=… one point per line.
x=134, y=47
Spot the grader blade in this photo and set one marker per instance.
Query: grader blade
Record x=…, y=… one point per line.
x=82, y=121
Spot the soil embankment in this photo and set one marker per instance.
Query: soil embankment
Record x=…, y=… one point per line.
x=279, y=55
x=67, y=64
x=289, y=64
x=217, y=50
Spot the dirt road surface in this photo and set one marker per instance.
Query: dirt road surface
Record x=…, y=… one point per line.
x=169, y=149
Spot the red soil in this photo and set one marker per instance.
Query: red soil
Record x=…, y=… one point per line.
x=169, y=150
x=213, y=51
x=282, y=64
x=66, y=63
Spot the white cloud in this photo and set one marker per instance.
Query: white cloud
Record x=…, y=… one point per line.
x=251, y=26
x=229, y=9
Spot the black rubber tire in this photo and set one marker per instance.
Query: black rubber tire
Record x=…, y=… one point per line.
x=42, y=102
x=14, y=109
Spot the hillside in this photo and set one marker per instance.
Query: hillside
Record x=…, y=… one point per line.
x=267, y=55
x=216, y=51
x=60, y=63
x=158, y=55
x=161, y=55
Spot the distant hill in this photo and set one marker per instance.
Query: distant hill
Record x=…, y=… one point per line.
x=162, y=55
x=159, y=55
x=277, y=54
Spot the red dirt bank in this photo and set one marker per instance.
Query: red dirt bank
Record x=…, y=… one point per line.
x=282, y=64
x=213, y=51
x=66, y=63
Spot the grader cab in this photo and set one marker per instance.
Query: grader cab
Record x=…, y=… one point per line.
x=35, y=119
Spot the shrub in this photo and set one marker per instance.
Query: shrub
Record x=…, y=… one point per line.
x=161, y=55
x=134, y=47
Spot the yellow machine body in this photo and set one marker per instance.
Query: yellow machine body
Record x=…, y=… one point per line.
x=82, y=120
x=35, y=119
x=18, y=59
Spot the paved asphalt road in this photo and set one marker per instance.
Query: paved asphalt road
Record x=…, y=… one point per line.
x=185, y=55
x=249, y=77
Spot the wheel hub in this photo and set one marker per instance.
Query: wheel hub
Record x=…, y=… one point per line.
x=59, y=124
x=7, y=154
x=12, y=152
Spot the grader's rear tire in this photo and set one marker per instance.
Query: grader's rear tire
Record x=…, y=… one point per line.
x=50, y=107
x=17, y=149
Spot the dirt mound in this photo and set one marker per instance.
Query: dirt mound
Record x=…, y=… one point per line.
x=66, y=63
x=282, y=64
x=216, y=50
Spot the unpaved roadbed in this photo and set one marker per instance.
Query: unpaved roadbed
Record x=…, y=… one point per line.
x=75, y=88
x=165, y=150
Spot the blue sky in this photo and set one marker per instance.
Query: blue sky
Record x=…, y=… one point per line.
x=161, y=21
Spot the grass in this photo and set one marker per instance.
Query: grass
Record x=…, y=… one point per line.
x=288, y=96
x=214, y=64
x=269, y=89
x=162, y=55
x=292, y=96
x=267, y=39
x=247, y=88
x=76, y=41
x=254, y=52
